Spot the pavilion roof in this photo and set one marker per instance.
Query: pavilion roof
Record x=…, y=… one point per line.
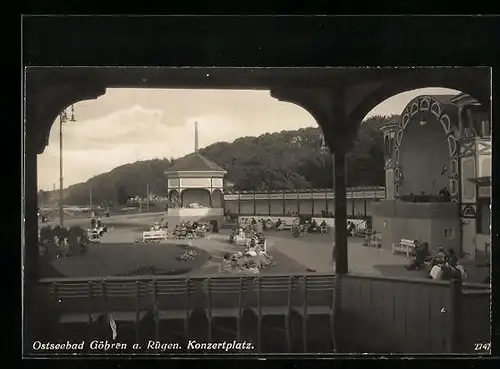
x=195, y=162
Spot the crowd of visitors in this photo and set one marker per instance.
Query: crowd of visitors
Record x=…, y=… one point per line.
x=441, y=266
x=442, y=196
x=191, y=230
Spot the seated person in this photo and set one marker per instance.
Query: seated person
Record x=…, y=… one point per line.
x=278, y=223
x=452, y=258
x=439, y=257
x=323, y=224
x=444, y=194
x=450, y=272
x=420, y=253
x=350, y=228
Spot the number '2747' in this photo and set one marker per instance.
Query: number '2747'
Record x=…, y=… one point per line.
x=482, y=346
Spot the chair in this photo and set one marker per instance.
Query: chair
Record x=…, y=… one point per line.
x=224, y=300
x=125, y=301
x=76, y=301
x=324, y=229
x=271, y=296
x=171, y=302
x=318, y=294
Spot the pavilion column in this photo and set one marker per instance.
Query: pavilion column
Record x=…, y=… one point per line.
x=339, y=134
x=340, y=248
x=33, y=307
x=30, y=215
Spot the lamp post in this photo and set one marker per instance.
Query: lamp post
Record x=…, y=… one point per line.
x=63, y=118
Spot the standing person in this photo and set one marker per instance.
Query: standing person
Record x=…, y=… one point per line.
x=452, y=258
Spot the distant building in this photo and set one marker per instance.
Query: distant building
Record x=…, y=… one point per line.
x=195, y=189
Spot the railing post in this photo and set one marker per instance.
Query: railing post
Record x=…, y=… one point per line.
x=337, y=310
x=156, y=310
x=455, y=318
x=137, y=308
x=105, y=301
x=259, y=315
x=91, y=295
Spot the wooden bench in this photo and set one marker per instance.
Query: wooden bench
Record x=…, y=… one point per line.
x=285, y=226
x=404, y=246
x=154, y=236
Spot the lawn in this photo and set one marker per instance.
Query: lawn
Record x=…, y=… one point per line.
x=126, y=259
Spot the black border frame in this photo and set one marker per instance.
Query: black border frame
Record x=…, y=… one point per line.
x=267, y=41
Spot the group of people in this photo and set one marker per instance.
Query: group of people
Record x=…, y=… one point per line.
x=188, y=229
x=442, y=196
x=252, y=233
x=61, y=241
x=442, y=266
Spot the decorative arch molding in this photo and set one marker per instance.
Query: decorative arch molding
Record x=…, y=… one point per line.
x=45, y=104
x=439, y=111
x=473, y=81
x=468, y=211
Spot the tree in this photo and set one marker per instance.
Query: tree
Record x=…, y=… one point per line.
x=272, y=161
x=121, y=194
x=42, y=197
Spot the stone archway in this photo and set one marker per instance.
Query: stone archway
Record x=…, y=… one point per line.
x=435, y=109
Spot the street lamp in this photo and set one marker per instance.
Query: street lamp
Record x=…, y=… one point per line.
x=63, y=118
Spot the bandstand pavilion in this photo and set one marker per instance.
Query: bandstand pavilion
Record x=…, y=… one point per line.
x=438, y=143
x=195, y=188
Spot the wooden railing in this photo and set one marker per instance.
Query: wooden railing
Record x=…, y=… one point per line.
x=372, y=313
x=408, y=315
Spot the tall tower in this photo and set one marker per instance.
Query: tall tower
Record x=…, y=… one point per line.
x=196, y=137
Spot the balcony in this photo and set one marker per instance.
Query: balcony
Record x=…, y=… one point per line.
x=276, y=313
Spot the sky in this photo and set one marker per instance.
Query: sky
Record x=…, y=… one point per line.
x=127, y=125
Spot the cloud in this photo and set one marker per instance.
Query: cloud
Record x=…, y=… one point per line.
x=98, y=145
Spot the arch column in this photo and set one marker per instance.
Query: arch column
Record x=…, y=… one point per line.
x=327, y=106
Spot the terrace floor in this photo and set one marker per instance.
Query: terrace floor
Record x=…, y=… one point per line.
x=119, y=254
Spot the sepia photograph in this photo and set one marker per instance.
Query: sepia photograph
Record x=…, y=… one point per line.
x=257, y=211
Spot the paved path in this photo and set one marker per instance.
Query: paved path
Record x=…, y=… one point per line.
x=315, y=252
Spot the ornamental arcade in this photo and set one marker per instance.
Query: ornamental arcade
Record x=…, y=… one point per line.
x=438, y=175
